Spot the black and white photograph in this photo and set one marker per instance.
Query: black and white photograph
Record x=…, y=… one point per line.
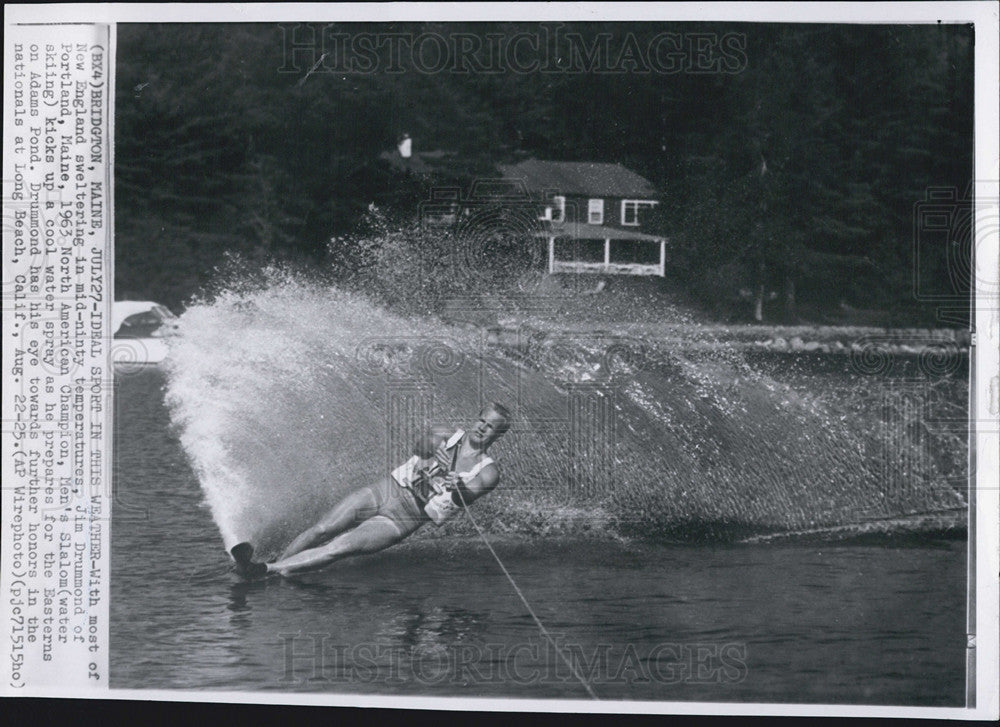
x=622, y=357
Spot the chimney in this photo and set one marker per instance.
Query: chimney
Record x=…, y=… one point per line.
x=405, y=146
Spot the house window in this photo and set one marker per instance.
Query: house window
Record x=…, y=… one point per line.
x=558, y=208
x=595, y=212
x=630, y=210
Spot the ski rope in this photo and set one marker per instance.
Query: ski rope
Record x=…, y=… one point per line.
x=531, y=612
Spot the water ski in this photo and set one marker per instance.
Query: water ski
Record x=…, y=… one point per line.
x=243, y=555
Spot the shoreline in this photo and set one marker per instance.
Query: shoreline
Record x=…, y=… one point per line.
x=856, y=341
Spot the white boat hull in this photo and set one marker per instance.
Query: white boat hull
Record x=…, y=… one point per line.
x=133, y=353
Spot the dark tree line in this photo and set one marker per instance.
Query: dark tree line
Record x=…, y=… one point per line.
x=789, y=182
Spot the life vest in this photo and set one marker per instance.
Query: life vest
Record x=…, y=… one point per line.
x=447, y=453
x=437, y=504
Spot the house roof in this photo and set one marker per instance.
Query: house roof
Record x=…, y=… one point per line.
x=588, y=178
x=582, y=231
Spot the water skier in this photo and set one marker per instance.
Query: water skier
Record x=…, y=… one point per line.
x=447, y=471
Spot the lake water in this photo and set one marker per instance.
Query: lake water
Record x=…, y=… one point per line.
x=880, y=623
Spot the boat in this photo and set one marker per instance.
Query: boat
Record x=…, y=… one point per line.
x=141, y=328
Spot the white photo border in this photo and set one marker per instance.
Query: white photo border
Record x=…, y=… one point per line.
x=984, y=548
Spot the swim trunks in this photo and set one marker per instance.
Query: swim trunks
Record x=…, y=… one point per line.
x=399, y=505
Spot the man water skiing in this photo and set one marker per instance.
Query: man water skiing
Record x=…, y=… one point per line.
x=447, y=472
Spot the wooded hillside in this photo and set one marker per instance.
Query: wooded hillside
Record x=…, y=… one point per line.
x=790, y=157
